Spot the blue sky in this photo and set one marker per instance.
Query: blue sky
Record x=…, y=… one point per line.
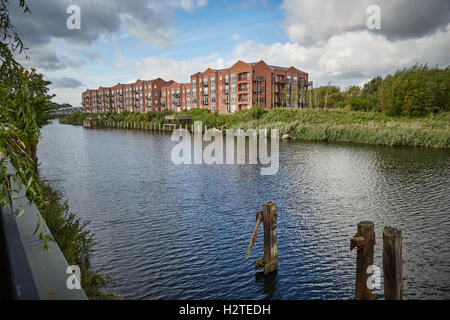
x=121, y=41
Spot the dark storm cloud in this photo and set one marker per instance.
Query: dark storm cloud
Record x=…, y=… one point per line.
x=311, y=22
x=146, y=20
x=48, y=20
x=413, y=18
x=66, y=82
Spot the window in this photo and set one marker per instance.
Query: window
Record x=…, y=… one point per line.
x=233, y=77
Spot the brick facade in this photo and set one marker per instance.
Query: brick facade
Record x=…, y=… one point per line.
x=226, y=90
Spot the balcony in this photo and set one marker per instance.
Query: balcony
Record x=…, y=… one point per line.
x=259, y=90
x=243, y=88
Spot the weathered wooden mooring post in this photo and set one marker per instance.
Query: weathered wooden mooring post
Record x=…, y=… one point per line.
x=364, y=241
x=392, y=264
x=269, y=218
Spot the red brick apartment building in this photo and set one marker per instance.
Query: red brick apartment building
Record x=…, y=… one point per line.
x=226, y=90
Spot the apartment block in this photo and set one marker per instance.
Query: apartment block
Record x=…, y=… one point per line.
x=226, y=90
x=141, y=96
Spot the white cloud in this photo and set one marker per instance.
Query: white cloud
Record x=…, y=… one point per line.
x=352, y=55
x=202, y=3
x=236, y=37
x=171, y=69
x=187, y=5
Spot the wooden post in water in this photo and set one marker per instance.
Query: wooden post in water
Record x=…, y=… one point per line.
x=364, y=241
x=392, y=264
x=269, y=218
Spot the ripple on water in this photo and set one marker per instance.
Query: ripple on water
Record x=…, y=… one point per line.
x=181, y=232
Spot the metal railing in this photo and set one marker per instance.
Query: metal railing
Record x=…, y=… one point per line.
x=28, y=272
x=16, y=280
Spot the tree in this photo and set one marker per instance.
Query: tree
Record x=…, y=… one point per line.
x=415, y=91
x=21, y=95
x=295, y=96
x=352, y=92
x=371, y=87
x=284, y=96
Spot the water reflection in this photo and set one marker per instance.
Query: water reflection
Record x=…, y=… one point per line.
x=267, y=283
x=166, y=231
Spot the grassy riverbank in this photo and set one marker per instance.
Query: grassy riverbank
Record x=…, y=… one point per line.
x=335, y=125
x=75, y=241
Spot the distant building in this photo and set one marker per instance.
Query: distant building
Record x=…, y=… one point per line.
x=227, y=90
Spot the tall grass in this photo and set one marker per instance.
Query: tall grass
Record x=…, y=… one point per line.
x=75, y=241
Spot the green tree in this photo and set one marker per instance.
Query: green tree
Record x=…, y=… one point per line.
x=284, y=96
x=295, y=96
x=415, y=91
x=371, y=87
x=22, y=98
x=352, y=92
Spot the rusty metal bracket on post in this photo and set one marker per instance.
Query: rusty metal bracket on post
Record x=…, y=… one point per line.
x=364, y=241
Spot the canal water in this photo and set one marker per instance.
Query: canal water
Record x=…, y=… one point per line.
x=181, y=232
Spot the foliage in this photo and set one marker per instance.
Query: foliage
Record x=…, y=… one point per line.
x=416, y=91
x=329, y=95
x=371, y=87
x=25, y=107
x=19, y=123
x=284, y=96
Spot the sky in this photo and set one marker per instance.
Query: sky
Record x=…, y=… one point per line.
x=122, y=41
